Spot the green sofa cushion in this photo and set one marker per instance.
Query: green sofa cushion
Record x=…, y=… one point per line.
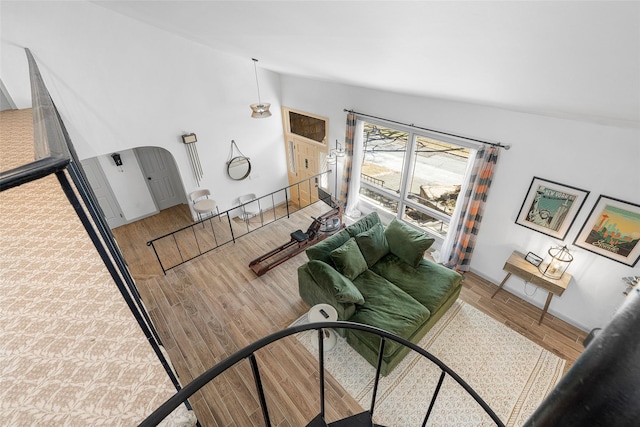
x=429, y=283
x=349, y=260
x=313, y=293
x=343, y=289
x=386, y=307
x=407, y=243
x=373, y=244
x=321, y=251
x=363, y=224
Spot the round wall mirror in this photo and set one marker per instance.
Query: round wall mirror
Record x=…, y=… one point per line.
x=239, y=168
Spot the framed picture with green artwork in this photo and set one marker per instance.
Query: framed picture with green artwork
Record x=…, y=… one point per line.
x=612, y=230
x=550, y=207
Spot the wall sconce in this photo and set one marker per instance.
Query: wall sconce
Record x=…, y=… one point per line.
x=117, y=159
x=332, y=158
x=556, y=262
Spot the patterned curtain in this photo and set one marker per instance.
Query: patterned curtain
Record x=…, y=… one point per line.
x=472, y=207
x=348, y=164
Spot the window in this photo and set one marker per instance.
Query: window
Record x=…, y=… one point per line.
x=413, y=174
x=311, y=127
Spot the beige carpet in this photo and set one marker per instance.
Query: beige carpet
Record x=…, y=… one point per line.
x=511, y=373
x=71, y=352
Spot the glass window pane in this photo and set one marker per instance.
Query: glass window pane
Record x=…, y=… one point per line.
x=425, y=221
x=437, y=175
x=379, y=199
x=384, y=156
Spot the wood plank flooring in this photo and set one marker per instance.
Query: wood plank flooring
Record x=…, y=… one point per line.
x=212, y=306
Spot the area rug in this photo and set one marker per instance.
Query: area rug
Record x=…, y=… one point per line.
x=510, y=372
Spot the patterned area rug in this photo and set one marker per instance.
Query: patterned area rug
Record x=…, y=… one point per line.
x=511, y=373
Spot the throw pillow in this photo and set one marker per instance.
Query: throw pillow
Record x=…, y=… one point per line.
x=363, y=224
x=349, y=260
x=322, y=251
x=407, y=243
x=373, y=244
x=344, y=290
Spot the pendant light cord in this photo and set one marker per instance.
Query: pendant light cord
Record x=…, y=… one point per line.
x=255, y=70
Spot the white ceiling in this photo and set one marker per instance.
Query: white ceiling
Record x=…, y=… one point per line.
x=570, y=59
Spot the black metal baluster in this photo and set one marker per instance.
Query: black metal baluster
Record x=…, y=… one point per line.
x=213, y=231
x=157, y=256
x=233, y=237
x=259, y=387
x=378, y=369
x=433, y=398
x=178, y=247
x=196, y=237
x=321, y=369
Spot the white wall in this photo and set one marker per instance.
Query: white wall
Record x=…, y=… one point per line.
x=119, y=84
x=601, y=159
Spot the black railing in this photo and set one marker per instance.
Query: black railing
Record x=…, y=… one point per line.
x=249, y=352
x=190, y=242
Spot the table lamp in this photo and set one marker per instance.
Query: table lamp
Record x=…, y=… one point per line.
x=556, y=262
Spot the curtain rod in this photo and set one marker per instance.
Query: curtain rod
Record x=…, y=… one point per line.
x=495, y=144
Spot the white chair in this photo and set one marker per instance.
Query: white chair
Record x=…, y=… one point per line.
x=203, y=205
x=250, y=207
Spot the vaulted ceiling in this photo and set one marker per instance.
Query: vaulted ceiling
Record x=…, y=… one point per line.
x=571, y=59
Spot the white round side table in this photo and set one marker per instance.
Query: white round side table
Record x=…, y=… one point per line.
x=324, y=313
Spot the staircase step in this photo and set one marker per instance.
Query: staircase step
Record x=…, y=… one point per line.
x=318, y=421
x=362, y=419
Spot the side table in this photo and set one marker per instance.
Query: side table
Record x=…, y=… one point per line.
x=516, y=264
x=324, y=313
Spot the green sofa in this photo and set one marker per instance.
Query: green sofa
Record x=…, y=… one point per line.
x=378, y=276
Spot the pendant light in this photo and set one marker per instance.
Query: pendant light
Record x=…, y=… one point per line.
x=259, y=110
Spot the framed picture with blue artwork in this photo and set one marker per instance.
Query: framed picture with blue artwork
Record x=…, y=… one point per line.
x=612, y=230
x=550, y=207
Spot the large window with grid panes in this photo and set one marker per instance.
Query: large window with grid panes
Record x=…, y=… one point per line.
x=413, y=174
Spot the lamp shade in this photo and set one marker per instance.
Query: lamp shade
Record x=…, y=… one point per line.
x=259, y=111
x=556, y=262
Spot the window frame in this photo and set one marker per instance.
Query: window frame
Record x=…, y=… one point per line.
x=401, y=198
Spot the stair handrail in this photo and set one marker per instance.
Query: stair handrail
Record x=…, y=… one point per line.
x=248, y=352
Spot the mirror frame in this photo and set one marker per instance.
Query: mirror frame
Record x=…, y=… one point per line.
x=238, y=159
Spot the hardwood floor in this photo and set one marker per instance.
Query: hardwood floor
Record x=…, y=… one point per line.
x=212, y=306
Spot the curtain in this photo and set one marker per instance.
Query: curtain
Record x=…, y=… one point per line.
x=463, y=229
x=352, y=166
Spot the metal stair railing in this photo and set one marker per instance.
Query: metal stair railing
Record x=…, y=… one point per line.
x=362, y=419
x=167, y=248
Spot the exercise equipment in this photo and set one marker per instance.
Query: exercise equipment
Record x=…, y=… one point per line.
x=320, y=228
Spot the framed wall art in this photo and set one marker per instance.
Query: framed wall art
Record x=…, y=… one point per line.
x=612, y=230
x=550, y=207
